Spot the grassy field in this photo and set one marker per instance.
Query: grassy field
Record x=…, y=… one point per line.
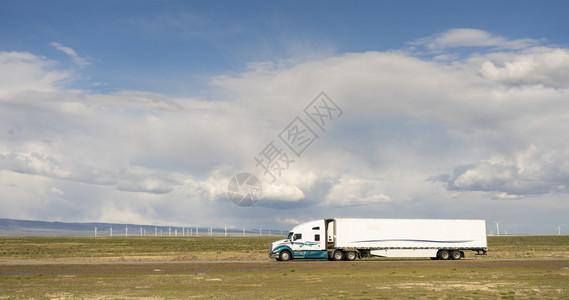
x=529, y=246
x=536, y=267
x=133, y=248
x=220, y=248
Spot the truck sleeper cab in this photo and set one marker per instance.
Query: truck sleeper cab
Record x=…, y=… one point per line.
x=349, y=238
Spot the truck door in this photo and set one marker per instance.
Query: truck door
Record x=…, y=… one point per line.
x=330, y=234
x=313, y=239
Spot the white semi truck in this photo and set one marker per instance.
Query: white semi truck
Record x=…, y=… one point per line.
x=348, y=239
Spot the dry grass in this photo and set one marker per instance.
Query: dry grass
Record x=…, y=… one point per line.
x=84, y=249
x=529, y=246
x=80, y=249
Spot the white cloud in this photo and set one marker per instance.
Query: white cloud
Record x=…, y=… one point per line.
x=469, y=37
x=133, y=178
x=506, y=196
x=291, y=221
x=282, y=192
x=545, y=66
x=529, y=171
x=78, y=60
x=210, y=190
x=23, y=72
x=57, y=191
x=350, y=192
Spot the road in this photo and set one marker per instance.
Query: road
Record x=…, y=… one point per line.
x=147, y=262
x=202, y=267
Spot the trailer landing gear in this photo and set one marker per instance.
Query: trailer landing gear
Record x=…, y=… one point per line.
x=478, y=252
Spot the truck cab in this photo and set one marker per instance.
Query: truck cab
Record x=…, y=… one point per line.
x=307, y=240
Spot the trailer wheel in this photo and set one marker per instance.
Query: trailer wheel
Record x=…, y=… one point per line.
x=455, y=255
x=285, y=255
x=338, y=255
x=351, y=255
x=443, y=255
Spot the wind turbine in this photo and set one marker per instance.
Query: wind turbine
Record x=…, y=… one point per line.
x=111, y=232
x=559, y=228
x=140, y=230
x=498, y=227
x=126, y=230
x=95, y=231
x=155, y=231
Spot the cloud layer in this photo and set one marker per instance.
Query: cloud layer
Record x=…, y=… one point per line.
x=420, y=136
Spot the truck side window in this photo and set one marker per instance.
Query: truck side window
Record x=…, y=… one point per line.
x=317, y=237
x=297, y=236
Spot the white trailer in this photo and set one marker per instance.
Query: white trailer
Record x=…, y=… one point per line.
x=348, y=239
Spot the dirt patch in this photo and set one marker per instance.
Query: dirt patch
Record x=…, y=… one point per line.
x=382, y=278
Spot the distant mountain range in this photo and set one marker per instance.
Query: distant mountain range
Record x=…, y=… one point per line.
x=11, y=227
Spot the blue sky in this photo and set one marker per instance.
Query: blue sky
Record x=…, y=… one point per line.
x=175, y=46
x=142, y=111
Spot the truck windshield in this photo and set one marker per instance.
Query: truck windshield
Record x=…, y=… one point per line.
x=289, y=236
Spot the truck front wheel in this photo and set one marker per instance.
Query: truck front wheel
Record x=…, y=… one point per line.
x=285, y=255
x=338, y=255
x=351, y=255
